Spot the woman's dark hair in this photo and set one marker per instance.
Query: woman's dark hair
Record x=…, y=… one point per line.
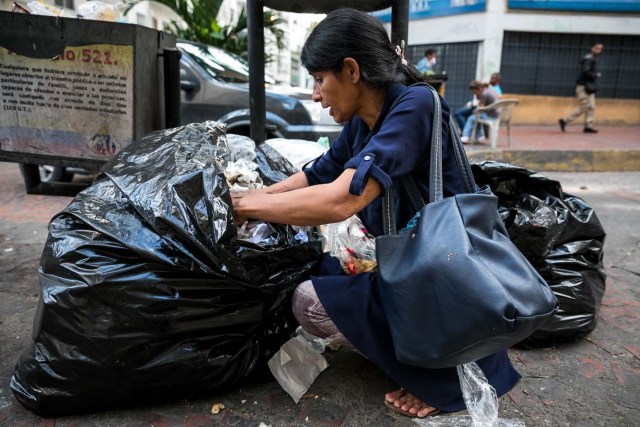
x=351, y=33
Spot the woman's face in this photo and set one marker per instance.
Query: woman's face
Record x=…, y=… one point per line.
x=337, y=91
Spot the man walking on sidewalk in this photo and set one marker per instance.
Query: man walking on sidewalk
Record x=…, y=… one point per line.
x=586, y=88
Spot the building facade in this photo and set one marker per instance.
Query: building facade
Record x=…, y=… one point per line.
x=536, y=45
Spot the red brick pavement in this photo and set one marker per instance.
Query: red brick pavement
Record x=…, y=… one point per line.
x=17, y=206
x=551, y=138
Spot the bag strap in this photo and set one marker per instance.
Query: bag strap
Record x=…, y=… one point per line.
x=435, y=167
x=461, y=158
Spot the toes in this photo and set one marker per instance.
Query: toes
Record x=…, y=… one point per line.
x=415, y=406
x=426, y=410
x=392, y=397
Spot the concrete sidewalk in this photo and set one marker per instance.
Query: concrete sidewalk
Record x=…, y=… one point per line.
x=594, y=381
x=547, y=148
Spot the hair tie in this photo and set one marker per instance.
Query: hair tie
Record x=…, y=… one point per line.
x=400, y=52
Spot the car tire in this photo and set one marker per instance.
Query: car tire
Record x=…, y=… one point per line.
x=54, y=174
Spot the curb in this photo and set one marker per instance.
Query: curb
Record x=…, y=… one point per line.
x=565, y=161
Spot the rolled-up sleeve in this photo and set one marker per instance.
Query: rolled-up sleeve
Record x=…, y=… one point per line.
x=365, y=166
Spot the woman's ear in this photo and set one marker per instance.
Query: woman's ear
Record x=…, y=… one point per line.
x=352, y=69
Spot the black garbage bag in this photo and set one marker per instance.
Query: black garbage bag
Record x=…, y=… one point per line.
x=561, y=237
x=146, y=294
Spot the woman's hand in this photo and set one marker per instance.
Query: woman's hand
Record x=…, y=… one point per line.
x=236, y=198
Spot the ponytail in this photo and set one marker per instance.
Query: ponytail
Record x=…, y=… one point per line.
x=410, y=73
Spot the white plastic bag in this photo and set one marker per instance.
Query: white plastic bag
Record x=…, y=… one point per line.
x=298, y=151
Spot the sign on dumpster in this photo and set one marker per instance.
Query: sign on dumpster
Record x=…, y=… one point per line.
x=78, y=104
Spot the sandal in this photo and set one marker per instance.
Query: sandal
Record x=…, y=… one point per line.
x=407, y=413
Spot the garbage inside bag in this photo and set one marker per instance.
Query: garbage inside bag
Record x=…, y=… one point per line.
x=242, y=176
x=561, y=236
x=350, y=242
x=146, y=293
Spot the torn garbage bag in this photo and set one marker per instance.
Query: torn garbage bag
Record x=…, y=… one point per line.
x=561, y=236
x=146, y=293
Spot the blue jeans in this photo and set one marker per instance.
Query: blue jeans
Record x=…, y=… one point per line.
x=462, y=114
x=468, y=126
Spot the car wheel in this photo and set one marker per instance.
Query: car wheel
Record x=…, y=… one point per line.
x=50, y=173
x=246, y=131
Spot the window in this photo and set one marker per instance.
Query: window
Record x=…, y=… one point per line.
x=141, y=19
x=548, y=63
x=64, y=3
x=458, y=60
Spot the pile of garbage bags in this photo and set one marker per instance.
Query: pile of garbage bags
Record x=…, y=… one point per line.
x=147, y=294
x=561, y=237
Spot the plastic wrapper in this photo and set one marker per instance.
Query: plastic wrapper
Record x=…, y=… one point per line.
x=297, y=364
x=561, y=236
x=349, y=241
x=146, y=293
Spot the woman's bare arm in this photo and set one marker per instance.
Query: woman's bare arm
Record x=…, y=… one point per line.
x=310, y=205
x=294, y=182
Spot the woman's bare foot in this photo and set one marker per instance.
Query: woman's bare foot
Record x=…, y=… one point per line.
x=407, y=404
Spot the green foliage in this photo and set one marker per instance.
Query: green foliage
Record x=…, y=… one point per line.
x=198, y=23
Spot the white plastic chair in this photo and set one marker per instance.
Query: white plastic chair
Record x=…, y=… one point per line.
x=505, y=108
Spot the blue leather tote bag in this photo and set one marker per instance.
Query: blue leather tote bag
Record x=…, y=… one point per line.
x=454, y=288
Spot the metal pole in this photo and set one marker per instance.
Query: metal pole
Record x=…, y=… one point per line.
x=171, y=87
x=257, y=103
x=400, y=21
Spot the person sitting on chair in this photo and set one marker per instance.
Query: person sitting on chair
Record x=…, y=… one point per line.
x=426, y=64
x=486, y=96
x=462, y=114
x=494, y=81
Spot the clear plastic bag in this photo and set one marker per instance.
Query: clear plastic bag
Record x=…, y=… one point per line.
x=480, y=399
x=350, y=242
x=241, y=147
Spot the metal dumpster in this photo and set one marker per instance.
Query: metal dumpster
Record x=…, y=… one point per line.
x=74, y=91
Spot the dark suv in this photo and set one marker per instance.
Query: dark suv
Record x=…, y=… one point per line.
x=215, y=86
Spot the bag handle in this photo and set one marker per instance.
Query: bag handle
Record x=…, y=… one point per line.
x=435, y=166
